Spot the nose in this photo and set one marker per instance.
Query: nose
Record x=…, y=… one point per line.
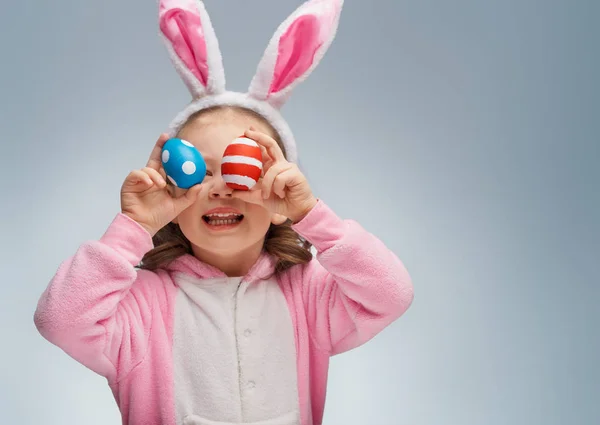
x=219, y=189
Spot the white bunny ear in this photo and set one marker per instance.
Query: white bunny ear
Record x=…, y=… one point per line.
x=295, y=50
x=192, y=44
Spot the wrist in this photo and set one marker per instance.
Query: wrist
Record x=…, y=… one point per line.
x=144, y=226
x=305, y=211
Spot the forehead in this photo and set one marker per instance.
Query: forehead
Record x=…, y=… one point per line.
x=211, y=133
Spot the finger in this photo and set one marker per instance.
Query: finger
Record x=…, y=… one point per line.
x=156, y=177
x=155, y=161
x=138, y=176
x=188, y=198
x=250, y=196
x=281, y=181
x=163, y=173
x=270, y=176
x=138, y=181
x=267, y=160
x=268, y=142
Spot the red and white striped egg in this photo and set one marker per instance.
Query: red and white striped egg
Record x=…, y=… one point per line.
x=241, y=165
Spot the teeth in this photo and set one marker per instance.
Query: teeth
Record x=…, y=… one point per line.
x=222, y=222
x=222, y=215
x=219, y=219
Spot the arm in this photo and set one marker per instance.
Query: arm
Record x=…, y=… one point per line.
x=97, y=307
x=357, y=287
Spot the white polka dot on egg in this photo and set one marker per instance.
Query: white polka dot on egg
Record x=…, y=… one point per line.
x=188, y=167
x=165, y=156
x=185, y=142
x=172, y=181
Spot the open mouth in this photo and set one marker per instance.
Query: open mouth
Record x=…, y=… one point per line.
x=222, y=219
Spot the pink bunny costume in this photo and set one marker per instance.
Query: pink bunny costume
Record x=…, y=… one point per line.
x=189, y=345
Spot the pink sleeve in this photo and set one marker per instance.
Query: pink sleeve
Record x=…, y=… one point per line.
x=356, y=288
x=97, y=307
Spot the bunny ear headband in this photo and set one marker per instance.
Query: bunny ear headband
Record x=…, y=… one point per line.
x=294, y=51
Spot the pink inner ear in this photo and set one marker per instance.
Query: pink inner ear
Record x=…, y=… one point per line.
x=297, y=48
x=184, y=30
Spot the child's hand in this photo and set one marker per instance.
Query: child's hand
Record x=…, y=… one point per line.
x=145, y=197
x=283, y=189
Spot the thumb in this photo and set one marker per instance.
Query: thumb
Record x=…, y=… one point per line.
x=188, y=198
x=250, y=196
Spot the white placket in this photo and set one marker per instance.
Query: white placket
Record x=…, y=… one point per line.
x=266, y=352
x=234, y=353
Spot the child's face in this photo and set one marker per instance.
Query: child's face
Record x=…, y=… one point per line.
x=211, y=137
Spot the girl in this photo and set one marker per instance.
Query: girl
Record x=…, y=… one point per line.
x=205, y=306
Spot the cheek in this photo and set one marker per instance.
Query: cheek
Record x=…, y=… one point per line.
x=259, y=214
x=193, y=212
x=186, y=223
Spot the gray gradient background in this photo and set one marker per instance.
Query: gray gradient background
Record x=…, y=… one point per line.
x=464, y=134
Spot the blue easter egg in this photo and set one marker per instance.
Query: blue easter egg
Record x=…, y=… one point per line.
x=183, y=163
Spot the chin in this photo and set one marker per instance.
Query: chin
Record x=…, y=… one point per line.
x=225, y=246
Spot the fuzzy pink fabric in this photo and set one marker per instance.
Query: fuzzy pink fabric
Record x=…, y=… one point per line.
x=118, y=320
x=181, y=23
x=298, y=45
x=296, y=52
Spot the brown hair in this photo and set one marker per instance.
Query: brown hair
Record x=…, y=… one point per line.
x=281, y=241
